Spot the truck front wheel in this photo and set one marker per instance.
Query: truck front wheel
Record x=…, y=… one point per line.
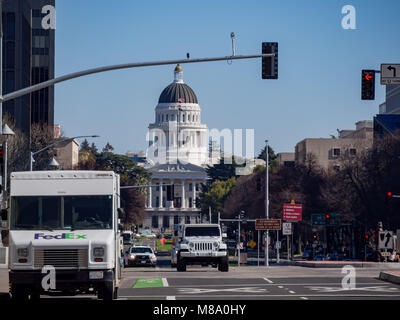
x=109, y=291
x=223, y=264
x=19, y=292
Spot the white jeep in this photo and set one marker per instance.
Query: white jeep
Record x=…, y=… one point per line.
x=200, y=244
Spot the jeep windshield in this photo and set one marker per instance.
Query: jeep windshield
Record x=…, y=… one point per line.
x=202, y=232
x=61, y=213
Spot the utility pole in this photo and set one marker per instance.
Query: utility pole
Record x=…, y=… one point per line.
x=266, y=205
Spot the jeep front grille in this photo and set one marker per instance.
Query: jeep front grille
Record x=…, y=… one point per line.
x=61, y=258
x=203, y=246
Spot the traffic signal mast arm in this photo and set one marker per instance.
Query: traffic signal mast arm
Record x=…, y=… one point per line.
x=70, y=76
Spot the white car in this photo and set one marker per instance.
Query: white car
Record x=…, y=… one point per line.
x=200, y=244
x=147, y=234
x=140, y=256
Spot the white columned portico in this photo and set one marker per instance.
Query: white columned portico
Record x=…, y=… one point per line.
x=194, y=193
x=149, y=195
x=183, y=194
x=161, y=193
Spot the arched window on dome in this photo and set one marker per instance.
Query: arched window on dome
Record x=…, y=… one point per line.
x=166, y=118
x=183, y=118
x=172, y=117
x=162, y=118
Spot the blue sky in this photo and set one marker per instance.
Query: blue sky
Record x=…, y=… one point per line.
x=318, y=89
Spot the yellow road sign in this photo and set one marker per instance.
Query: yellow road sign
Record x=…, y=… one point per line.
x=252, y=244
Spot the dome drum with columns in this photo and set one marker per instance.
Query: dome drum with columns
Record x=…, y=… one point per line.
x=179, y=142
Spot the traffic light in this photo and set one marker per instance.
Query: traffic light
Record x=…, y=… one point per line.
x=366, y=239
x=1, y=155
x=368, y=85
x=389, y=194
x=269, y=64
x=170, y=192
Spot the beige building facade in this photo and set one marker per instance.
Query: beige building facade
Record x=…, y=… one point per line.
x=328, y=151
x=67, y=154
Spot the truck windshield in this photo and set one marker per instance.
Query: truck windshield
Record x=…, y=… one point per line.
x=67, y=212
x=202, y=232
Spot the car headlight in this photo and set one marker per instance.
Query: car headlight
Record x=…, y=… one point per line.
x=152, y=256
x=215, y=244
x=133, y=257
x=191, y=245
x=98, y=252
x=22, y=252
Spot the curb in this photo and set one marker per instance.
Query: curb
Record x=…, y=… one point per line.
x=382, y=265
x=389, y=277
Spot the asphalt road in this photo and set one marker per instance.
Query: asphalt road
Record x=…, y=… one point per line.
x=244, y=283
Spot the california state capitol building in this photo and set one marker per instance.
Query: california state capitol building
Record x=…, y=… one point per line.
x=178, y=153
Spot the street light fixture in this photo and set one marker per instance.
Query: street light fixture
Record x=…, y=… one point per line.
x=53, y=144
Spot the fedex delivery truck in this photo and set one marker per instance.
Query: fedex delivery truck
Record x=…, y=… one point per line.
x=64, y=226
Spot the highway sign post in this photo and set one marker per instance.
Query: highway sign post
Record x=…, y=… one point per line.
x=386, y=240
x=390, y=73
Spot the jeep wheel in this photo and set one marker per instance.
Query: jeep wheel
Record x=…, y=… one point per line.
x=223, y=264
x=181, y=265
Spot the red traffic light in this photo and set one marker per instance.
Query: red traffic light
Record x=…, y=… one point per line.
x=327, y=216
x=366, y=236
x=389, y=194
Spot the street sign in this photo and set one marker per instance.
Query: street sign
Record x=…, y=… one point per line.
x=292, y=212
x=386, y=240
x=390, y=73
x=287, y=228
x=325, y=219
x=268, y=224
x=278, y=245
x=239, y=245
x=252, y=244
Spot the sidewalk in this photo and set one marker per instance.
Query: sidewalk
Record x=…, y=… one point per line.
x=390, y=276
x=340, y=264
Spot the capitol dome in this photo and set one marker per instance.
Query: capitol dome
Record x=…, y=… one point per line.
x=178, y=91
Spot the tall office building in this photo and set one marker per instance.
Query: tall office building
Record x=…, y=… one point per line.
x=28, y=59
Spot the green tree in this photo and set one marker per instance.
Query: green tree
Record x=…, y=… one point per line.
x=108, y=148
x=222, y=171
x=84, y=146
x=215, y=197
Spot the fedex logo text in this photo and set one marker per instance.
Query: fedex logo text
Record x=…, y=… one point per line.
x=60, y=236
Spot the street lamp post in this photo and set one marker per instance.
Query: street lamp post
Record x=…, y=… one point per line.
x=266, y=205
x=53, y=144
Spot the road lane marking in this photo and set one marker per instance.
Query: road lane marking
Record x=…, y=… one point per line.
x=171, y=298
x=270, y=295
x=373, y=289
x=165, y=282
x=304, y=298
x=280, y=287
x=269, y=281
x=292, y=292
x=244, y=290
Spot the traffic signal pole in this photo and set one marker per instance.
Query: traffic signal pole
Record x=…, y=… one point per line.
x=79, y=74
x=266, y=206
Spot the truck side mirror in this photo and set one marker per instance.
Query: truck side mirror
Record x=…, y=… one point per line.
x=121, y=212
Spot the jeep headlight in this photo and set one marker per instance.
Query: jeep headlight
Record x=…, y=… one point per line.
x=22, y=252
x=98, y=252
x=191, y=245
x=215, y=244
